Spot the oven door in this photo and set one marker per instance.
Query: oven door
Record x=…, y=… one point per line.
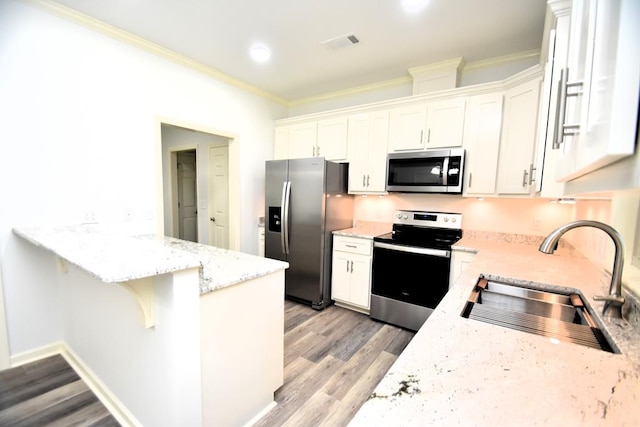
x=413, y=275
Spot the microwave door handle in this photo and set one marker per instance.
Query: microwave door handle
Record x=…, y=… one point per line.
x=445, y=171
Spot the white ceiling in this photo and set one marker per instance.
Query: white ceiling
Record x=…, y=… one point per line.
x=218, y=33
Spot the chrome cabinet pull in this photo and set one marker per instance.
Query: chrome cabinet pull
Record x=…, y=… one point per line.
x=532, y=178
x=524, y=178
x=364, y=180
x=352, y=266
x=429, y=136
x=421, y=136
x=367, y=180
x=470, y=179
x=347, y=266
x=561, y=129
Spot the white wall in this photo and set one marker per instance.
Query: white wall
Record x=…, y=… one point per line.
x=80, y=117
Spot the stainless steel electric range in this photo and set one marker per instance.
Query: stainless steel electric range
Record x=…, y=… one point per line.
x=411, y=266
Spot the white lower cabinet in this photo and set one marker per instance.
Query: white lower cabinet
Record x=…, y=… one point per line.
x=351, y=272
x=459, y=262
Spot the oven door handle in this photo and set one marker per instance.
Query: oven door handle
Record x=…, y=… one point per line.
x=413, y=250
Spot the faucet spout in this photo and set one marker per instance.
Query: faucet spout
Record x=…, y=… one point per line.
x=614, y=300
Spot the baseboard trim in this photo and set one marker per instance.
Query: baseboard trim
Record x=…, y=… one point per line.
x=102, y=392
x=37, y=354
x=261, y=414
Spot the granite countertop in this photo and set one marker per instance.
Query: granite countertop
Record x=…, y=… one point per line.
x=365, y=230
x=115, y=257
x=459, y=371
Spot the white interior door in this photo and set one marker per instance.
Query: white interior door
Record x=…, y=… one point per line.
x=187, y=197
x=219, y=197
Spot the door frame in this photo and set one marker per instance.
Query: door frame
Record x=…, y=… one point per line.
x=234, y=174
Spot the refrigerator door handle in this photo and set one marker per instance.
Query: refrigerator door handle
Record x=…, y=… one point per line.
x=284, y=235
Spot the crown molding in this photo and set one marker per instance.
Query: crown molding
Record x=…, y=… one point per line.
x=353, y=91
x=133, y=40
x=485, y=63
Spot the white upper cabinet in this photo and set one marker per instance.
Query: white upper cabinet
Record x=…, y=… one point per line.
x=332, y=139
x=407, y=127
x=483, y=118
x=303, y=140
x=323, y=138
x=516, y=174
x=599, y=114
x=436, y=124
x=445, y=123
x=281, y=144
x=367, y=141
x=548, y=155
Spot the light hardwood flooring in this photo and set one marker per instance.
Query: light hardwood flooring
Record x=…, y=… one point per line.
x=48, y=392
x=333, y=359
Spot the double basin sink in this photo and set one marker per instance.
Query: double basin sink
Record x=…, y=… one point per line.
x=560, y=316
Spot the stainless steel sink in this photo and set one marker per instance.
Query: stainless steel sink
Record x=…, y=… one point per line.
x=551, y=314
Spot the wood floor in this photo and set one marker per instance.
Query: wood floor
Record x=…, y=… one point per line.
x=48, y=392
x=333, y=360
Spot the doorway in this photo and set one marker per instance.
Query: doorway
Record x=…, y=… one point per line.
x=195, y=176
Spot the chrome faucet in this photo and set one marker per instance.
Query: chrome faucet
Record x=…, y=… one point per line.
x=615, y=299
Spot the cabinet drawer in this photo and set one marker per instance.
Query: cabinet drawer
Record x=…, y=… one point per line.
x=353, y=245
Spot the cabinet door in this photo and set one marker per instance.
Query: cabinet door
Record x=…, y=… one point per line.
x=378, y=142
x=604, y=56
x=482, y=127
x=368, y=136
x=340, y=276
x=358, y=143
x=445, y=123
x=302, y=140
x=519, y=125
x=332, y=139
x=281, y=143
x=459, y=262
x=360, y=280
x=406, y=127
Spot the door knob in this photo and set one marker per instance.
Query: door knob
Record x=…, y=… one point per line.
x=213, y=219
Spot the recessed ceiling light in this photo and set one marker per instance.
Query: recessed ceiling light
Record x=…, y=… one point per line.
x=414, y=6
x=260, y=53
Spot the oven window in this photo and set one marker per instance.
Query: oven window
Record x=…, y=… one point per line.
x=416, y=172
x=413, y=278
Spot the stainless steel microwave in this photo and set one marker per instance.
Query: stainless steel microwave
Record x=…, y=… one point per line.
x=426, y=171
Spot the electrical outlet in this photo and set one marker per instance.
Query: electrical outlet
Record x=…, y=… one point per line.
x=536, y=225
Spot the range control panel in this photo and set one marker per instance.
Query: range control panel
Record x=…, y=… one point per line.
x=428, y=219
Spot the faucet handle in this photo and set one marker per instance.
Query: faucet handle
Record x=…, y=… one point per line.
x=611, y=301
x=614, y=299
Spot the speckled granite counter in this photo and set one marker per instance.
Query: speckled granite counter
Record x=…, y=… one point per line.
x=365, y=229
x=458, y=371
x=113, y=257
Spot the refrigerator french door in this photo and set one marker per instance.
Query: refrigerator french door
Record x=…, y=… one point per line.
x=305, y=201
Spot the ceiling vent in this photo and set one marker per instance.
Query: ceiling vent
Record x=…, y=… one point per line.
x=341, y=41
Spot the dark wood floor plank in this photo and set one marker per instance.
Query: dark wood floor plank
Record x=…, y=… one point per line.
x=401, y=340
x=25, y=382
x=91, y=415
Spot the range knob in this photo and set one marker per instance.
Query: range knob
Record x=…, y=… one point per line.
x=446, y=219
x=399, y=216
x=453, y=219
x=405, y=216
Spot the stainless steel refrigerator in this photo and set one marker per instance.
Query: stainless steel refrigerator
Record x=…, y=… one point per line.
x=305, y=201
